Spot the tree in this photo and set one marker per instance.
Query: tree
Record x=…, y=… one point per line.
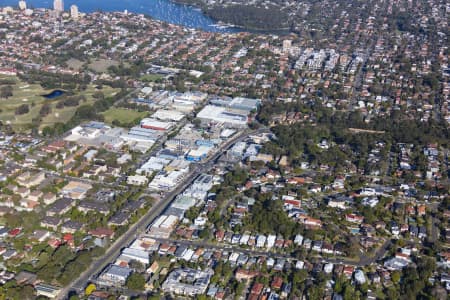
x=349, y=293
x=98, y=95
x=204, y=234
x=136, y=265
x=192, y=213
x=395, y=276
x=45, y=110
x=89, y=289
x=22, y=109
x=21, y=292
x=197, y=122
x=269, y=217
x=239, y=290
x=136, y=282
x=61, y=256
x=6, y=91
x=299, y=277
x=392, y=293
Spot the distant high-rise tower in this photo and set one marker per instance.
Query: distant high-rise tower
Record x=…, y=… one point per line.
x=58, y=5
x=74, y=12
x=22, y=5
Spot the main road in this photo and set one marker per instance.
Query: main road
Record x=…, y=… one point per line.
x=140, y=226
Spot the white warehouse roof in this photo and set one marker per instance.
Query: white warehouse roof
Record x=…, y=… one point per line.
x=221, y=115
x=168, y=115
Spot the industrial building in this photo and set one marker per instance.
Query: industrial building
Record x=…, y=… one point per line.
x=187, y=282
x=141, y=139
x=152, y=165
x=239, y=103
x=136, y=254
x=168, y=115
x=47, y=290
x=154, y=124
x=137, y=180
x=114, y=276
x=198, y=154
x=90, y=130
x=163, y=226
x=221, y=115
x=167, y=180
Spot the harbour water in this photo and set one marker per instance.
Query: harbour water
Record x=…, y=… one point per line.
x=164, y=10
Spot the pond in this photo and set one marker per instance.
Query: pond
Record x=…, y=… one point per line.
x=54, y=94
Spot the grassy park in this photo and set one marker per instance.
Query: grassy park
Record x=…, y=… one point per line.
x=123, y=115
x=151, y=77
x=102, y=65
x=31, y=94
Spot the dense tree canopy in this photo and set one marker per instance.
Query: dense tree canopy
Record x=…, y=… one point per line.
x=136, y=282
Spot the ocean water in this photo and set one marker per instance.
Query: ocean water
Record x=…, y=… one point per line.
x=163, y=10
